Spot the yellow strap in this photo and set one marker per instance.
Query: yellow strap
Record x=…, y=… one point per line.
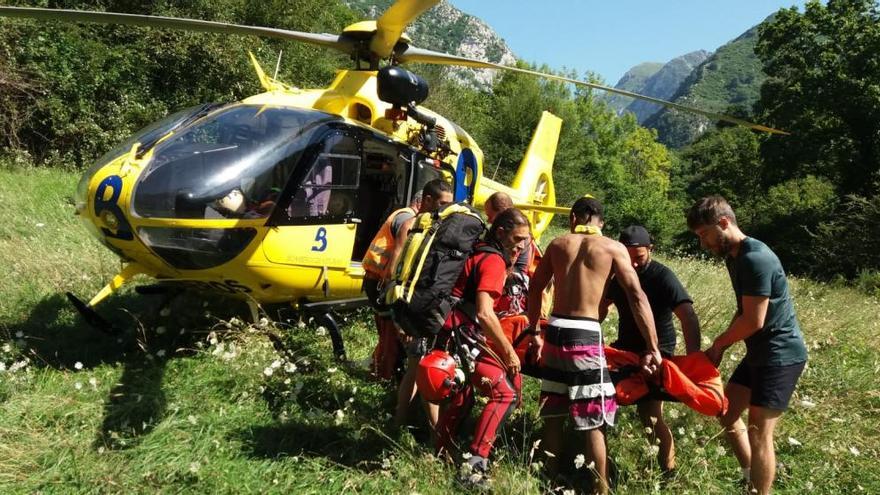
x=587, y=230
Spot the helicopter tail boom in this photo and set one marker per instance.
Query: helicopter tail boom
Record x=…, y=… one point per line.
x=532, y=187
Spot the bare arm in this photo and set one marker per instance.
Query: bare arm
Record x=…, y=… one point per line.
x=539, y=281
x=638, y=302
x=399, y=241
x=746, y=324
x=690, y=326
x=492, y=329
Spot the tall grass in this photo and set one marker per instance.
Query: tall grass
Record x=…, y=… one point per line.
x=188, y=398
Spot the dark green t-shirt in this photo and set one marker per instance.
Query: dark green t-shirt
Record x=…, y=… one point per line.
x=756, y=271
x=664, y=293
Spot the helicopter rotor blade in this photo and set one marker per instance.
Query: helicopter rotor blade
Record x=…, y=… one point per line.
x=413, y=54
x=326, y=40
x=390, y=26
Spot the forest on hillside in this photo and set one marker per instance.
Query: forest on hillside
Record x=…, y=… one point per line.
x=69, y=93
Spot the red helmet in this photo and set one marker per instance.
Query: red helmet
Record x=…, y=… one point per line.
x=436, y=377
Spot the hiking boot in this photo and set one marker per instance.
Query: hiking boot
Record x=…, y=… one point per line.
x=474, y=473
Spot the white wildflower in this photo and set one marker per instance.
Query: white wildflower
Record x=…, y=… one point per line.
x=290, y=368
x=194, y=467
x=466, y=455
x=268, y=371
x=264, y=322
x=339, y=416
x=276, y=364
x=78, y=365
x=321, y=331
x=681, y=430
x=854, y=451
x=332, y=370
x=192, y=419
x=7, y=348
x=809, y=485
x=18, y=365
x=78, y=385
x=579, y=461
x=2, y=366
x=794, y=442
x=386, y=462
x=93, y=382
x=568, y=492
x=40, y=225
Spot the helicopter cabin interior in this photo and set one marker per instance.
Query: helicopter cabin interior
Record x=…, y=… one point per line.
x=289, y=166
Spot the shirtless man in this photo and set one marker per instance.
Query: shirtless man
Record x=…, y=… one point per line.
x=576, y=382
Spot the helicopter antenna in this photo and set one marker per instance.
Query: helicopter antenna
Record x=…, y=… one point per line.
x=277, y=64
x=496, y=169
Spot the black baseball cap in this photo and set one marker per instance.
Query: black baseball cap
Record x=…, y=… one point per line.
x=635, y=235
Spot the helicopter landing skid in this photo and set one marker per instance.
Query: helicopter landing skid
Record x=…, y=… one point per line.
x=325, y=316
x=91, y=316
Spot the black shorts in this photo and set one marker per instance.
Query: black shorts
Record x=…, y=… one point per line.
x=771, y=386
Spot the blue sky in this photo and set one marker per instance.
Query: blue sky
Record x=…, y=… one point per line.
x=610, y=37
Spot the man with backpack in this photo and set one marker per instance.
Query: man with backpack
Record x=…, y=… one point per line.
x=473, y=331
x=377, y=265
x=575, y=378
x=435, y=195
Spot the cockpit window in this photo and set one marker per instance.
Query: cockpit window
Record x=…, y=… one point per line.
x=146, y=136
x=231, y=164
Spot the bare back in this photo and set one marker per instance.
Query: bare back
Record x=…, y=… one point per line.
x=581, y=266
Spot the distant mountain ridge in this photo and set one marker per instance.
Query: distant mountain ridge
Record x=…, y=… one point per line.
x=445, y=28
x=665, y=83
x=634, y=80
x=729, y=80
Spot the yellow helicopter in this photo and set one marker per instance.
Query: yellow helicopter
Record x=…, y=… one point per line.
x=276, y=198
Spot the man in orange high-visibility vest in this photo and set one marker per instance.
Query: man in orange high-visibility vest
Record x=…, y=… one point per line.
x=388, y=354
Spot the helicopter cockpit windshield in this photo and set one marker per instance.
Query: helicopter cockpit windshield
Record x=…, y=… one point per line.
x=232, y=164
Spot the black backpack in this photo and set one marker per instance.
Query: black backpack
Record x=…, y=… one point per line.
x=420, y=291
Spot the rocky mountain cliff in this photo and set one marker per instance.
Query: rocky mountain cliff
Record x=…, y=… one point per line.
x=444, y=28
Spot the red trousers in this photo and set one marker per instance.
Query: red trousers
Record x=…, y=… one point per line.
x=491, y=380
x=388, y=351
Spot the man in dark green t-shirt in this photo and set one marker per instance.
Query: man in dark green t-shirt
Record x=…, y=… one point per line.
x=765, y=320
x=666, y=296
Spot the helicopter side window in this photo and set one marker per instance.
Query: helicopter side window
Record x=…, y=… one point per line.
x=329, y=189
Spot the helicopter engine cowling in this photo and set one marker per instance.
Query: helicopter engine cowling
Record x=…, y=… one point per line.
x=400, y=87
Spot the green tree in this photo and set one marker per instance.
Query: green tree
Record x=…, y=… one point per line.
x=823, y=86
x=96, y=84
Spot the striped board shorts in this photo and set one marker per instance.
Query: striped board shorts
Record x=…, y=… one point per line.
x=576, y=381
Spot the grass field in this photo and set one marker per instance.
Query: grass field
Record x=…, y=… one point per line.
x=190, y=399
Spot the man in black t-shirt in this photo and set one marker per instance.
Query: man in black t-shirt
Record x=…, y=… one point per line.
x=666, y=296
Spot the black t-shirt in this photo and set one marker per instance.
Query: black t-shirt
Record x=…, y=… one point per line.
x=664, y=293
